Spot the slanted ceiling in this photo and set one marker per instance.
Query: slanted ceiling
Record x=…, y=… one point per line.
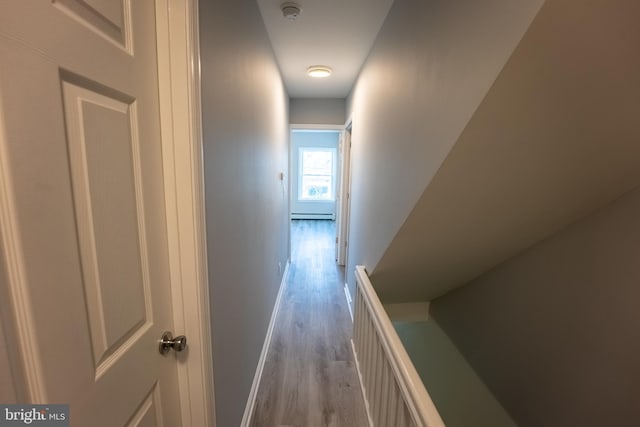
x=556, y=137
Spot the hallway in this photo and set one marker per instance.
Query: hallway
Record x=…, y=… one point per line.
x=309, y=378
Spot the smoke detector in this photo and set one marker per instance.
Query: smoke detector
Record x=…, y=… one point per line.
x=290, y=10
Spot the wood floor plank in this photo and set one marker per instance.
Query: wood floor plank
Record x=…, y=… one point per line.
x=309, y=378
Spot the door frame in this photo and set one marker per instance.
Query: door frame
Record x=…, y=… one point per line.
x=339, y=195
x=181, y=117
x=344, y=207
x=181, y=133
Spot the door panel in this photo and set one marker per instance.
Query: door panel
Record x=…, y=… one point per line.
x=105, y=17
x=101, y=148
x=79, y=130
x=148, y=414
x=7, y=391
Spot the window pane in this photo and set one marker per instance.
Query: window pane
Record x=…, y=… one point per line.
x=316, y=174
x=316, y=188
x=317, y=162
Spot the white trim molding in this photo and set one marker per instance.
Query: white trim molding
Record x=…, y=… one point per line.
x=251, y=401
x=179, y=78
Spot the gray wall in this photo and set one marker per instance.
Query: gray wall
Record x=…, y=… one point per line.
x=317, y=111
x=460, y=396
x=431, y=65
x=245, y=124
x=556, y=137
x=555, y=331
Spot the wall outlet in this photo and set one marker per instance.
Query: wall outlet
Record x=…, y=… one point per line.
x=279, y=268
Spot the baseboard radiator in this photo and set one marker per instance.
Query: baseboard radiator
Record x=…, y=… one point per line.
x=296, y=215
x=394, y=393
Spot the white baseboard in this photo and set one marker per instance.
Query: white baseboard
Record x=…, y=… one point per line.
x=251, y=401
x=347, y=294
x=362, y=390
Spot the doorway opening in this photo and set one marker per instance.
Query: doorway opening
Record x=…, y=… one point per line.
x=314, y=173
x=319, y=161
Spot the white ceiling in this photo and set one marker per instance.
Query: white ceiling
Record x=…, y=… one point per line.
x=337, y=33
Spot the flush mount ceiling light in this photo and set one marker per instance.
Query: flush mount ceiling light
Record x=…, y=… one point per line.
x=319, y=71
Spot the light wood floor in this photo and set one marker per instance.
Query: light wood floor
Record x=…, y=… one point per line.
x=309, y=378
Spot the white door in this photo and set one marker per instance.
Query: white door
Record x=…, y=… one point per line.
x=344, y=202
x=82, y=209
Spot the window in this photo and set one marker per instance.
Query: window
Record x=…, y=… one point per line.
x=316, y=174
